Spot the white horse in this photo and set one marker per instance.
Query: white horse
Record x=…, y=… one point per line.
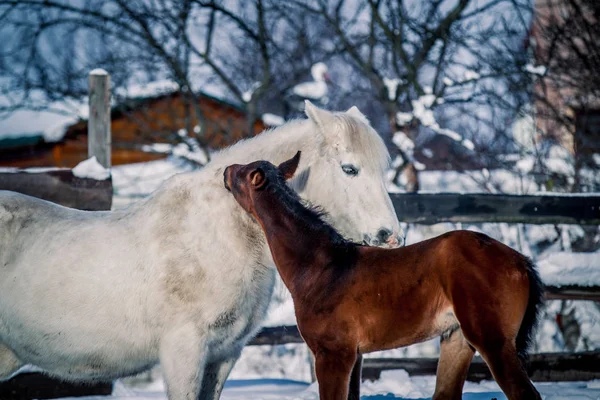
x=183, y=277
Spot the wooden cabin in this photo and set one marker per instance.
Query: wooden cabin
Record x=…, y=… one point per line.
x=136, y=123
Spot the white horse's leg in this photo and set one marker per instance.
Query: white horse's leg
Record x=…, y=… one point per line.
x=182, y=357
x=215, y=376
x=9, y=363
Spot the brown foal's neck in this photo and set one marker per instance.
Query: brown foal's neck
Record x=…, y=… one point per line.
x=302, y=244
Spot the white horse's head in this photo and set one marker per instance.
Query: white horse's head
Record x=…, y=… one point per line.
x=345, y=175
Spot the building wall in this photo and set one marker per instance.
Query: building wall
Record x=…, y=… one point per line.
x=141, y=123
x=559, y=115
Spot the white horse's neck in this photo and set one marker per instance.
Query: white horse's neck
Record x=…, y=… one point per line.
x=275, y=145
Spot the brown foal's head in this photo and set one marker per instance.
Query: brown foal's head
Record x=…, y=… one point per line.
x=245, y=182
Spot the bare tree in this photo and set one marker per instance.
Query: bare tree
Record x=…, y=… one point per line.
x=418, y=59
x=241, y=47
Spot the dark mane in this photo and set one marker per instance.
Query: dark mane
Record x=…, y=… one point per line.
x=312, y=216
x=343, y=254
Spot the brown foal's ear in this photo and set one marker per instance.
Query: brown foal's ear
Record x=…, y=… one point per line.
x=288, y=167
x=257, y=178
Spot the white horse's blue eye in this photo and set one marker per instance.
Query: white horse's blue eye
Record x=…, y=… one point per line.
x=350, y=169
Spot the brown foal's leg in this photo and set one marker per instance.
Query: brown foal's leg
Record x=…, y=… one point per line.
x=333, y=374
x=355, y=378
x=509, y=372
x=455, y=357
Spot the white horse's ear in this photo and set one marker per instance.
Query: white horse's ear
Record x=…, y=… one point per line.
x=320, y=117
x=355, y=112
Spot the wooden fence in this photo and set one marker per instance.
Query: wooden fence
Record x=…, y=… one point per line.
x=424, y=208
x=61, y=185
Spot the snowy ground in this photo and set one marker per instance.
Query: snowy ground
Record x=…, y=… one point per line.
x=281, y=372
x=394, y=385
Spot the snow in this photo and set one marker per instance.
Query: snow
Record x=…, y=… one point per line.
x=196, y=155
x=393, y=385
x=451, y=134
x=447, y=81
x=563, y=269
x=272, y=119
x=98, y=71
x=392, y=87
x=468, y=144
x=525, y=165
x=419, y=166
x=454, y=136
x=51, y=122
x=311, y=90
x=536, y=70
x=403, y=118
x=157, y=148
x=247, y=95
x=422, y=110
x=427, y=152
x=317, y=89
x=132, y=182
x=403, y=142
x=470, y=75
x=91, y=168
x=149, y=89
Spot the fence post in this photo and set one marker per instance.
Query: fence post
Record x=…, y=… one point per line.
x=99, y=138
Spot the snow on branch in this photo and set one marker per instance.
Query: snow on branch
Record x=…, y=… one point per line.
x=317, y=88
x=247, y=95
x=272, y=119
x=454, y=136
x=391, y=85
x=403, y=118
x=471, y=75
x=536, y=70
x=422, y=111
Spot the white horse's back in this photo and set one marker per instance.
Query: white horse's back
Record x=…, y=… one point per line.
x=56, y=275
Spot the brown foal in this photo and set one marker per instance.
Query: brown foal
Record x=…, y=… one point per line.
x=473, y=291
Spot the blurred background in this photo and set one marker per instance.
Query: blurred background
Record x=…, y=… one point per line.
x=495, y=96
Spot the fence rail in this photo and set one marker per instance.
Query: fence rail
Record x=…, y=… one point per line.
x=62, y=187
x=543, y=367
x=432, y=208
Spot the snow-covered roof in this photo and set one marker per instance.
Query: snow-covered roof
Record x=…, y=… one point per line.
x=51, y=123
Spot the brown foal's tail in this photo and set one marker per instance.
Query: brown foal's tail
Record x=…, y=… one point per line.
x=530, y=319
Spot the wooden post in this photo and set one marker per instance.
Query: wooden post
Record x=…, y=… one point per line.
x=99, y=121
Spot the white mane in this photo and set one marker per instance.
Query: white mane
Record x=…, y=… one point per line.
x=281, y=143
